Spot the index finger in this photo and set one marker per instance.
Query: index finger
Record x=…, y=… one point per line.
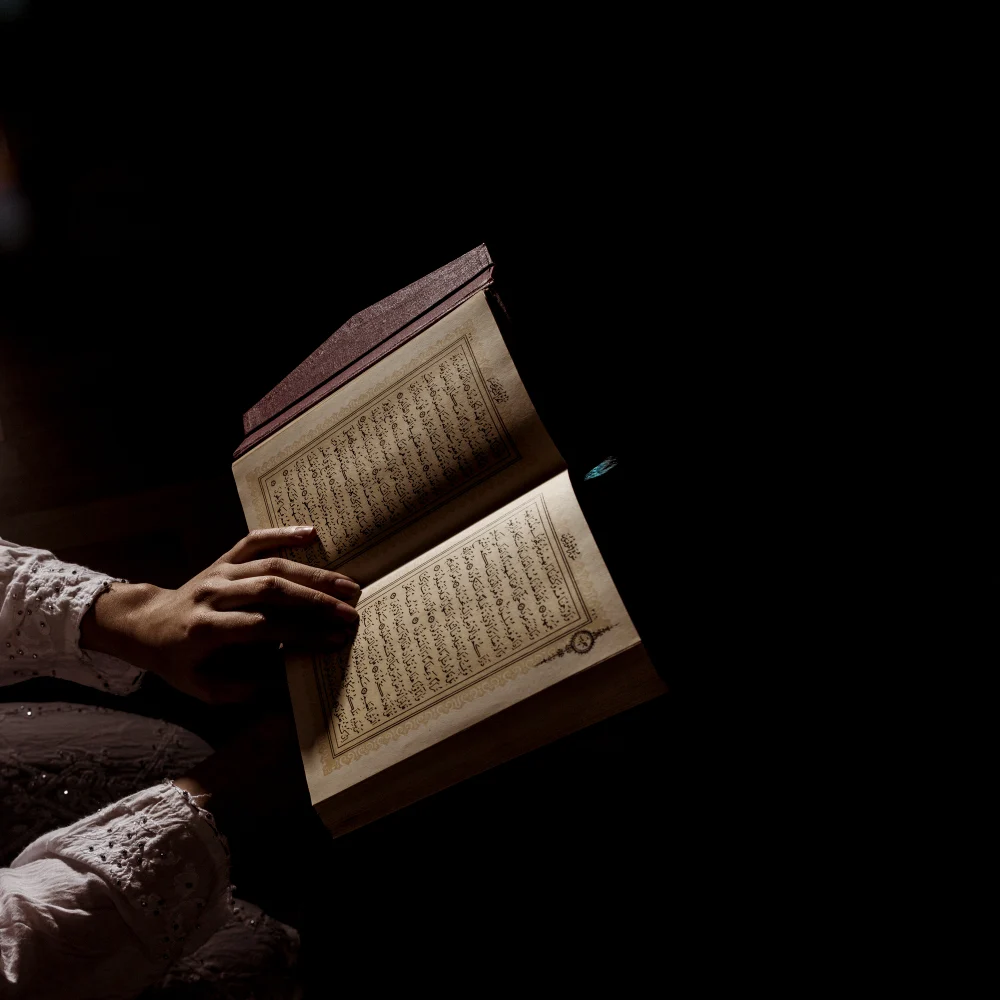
x=267, y=540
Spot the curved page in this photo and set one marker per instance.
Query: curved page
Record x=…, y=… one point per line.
x=513, y=604
x=423, y=443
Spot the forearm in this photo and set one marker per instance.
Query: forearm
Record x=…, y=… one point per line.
x=216, y=637
x=112, y=625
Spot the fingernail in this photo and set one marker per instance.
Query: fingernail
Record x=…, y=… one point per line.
x=347, y=587
x=346, y=612
x=302, y=531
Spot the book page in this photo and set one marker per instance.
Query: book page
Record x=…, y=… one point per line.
x=427, y=440
x=511, y=605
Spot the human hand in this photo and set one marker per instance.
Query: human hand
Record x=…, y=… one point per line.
x=217, y=636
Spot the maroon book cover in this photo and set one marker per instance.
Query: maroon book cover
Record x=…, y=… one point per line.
x=365, y=338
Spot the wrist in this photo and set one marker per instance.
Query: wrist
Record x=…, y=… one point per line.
x=111, y=624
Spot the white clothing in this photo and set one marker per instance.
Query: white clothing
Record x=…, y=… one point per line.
x=121, y=881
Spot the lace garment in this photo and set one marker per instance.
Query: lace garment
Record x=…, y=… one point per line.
x=115, y=881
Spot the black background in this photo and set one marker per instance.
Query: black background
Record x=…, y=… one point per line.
x=193, y=240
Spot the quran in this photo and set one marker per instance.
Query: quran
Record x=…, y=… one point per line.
x=489, y=624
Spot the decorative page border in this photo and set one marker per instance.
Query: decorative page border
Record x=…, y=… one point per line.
x=333, y=758
x=368, y=402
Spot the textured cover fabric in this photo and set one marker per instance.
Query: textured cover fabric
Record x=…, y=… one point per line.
x=364, y=339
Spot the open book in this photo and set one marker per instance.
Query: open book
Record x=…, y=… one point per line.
x=489, y=624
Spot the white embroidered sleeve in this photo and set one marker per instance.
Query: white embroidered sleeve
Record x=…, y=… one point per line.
x=42, y=601
x=104, y=907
